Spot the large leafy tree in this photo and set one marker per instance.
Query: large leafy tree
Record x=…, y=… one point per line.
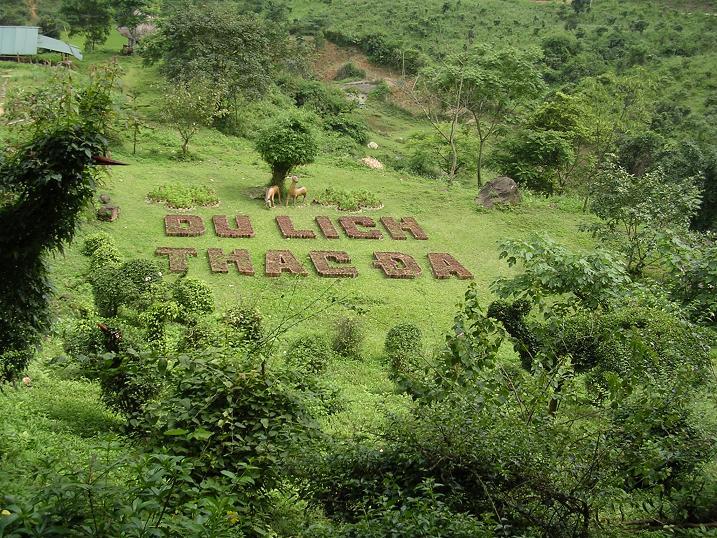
x=232, y=48
x=640, y=213
x=492, y=84
x=132, y=15
x=91, y=18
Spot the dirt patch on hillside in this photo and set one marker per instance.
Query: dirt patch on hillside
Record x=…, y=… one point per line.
x=331, y=58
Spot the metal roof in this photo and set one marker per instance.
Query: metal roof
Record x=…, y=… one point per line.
x=25, y=40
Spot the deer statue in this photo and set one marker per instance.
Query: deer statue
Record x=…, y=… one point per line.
x=295, y=192
x=269, y=195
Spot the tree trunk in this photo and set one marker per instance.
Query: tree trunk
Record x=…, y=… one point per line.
x=454, y=163
x=278, y=176
x=479, y=164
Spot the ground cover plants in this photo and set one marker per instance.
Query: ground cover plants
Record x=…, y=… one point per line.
x=183, y=197
x=395, y=359
x=348, y=200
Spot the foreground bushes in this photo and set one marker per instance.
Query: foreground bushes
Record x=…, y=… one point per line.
x=159, y=499
x=228, y=419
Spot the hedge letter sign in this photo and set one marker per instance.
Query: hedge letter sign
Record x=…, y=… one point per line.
x=326, y=263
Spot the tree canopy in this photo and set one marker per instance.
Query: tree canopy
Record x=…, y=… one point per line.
x=287, y=142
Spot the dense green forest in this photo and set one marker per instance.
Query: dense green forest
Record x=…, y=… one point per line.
x=260, y=274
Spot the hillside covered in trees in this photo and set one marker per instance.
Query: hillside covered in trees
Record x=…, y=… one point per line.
x=343, y=268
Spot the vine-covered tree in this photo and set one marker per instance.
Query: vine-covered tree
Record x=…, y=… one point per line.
x=287, y=142
x=44, y=184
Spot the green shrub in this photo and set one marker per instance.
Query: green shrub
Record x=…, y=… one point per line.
x=423, y=515
x=348, y=124
x=127, y=382
x=663, y=441
x=310, y=353
x=83, y=338
x=104, y=257
x=90, y=501
x=381, y=91
x=94, y=241
x=84, y=342
x=404, y=349
x=348, y=337
x=155, y=318
x=638, y=344
x=184, y=196
x=229, y=419
x=349, y=70
x=201, y=334
x=13, y=363
x=129, y=284
x=247, y=323
x=193, y=296
x=348, y=200
x=323, y=99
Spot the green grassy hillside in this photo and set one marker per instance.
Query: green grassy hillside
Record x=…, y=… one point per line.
x=672, y=39
x=544, y=425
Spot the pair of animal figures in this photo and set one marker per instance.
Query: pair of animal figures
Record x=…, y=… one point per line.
x=293, y=192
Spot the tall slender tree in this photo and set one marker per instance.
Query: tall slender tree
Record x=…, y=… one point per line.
x=493, y=84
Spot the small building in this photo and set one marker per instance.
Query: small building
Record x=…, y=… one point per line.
x=26, y=40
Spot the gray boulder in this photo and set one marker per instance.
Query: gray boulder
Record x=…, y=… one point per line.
x=501, y=190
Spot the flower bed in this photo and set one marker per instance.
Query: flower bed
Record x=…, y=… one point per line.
x=183, y=225
x=444, y=266
x=177, y=257
x=282, y=261
x=351, y=227
x=219, y=262
x=408, y=224
x=321, y=259
x=286, y=227
x=184, y=196
x=397, y=265
x=348, y=200
x=243, y=228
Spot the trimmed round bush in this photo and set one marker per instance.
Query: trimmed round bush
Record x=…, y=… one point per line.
x=194, y=297
x=129, y=284
x=94, y=241
x=287, y=142
x=310, y=353
x=83, y=338
x=404, y=348
x=104, y=256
